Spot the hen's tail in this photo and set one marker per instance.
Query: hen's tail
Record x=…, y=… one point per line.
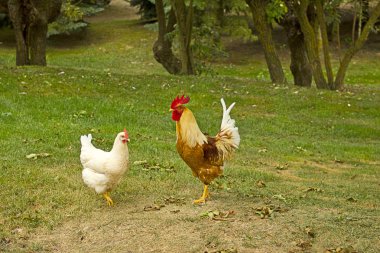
x=228, y=139
x=85, y=140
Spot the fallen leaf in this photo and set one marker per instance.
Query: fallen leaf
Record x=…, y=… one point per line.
x=309, y=232
x=312, y=189
x=301, y=149
x=282, y=167
x=260, y=184
x=219, y=215
x=279, y=197
x=35, y=156
x=351, y=199
x=263, y=150
x=140, y=162
x=154, y=207
x=264, y=212
x=173, y=200
x=348, y=249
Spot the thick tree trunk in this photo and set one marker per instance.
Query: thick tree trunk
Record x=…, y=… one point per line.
x=299, y=63
x=184, y=16
x=339, y=79
x=311, y=44
x=30, y=19
x=260, y=21
x=38, y=43
x=162, y=48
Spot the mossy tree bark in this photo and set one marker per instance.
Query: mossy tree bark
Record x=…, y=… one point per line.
x=184, y=16
x=30, y=20
x=162, y=48
x=311, y=43
x=325, y=43
x=299, y=63
x=261, y=24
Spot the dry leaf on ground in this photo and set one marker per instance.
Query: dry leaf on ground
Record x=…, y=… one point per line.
x=35, y=156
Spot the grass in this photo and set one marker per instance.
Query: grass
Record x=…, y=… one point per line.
x=316, y=151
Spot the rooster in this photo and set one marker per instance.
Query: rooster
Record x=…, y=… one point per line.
x=103, y=170
x=205, y=155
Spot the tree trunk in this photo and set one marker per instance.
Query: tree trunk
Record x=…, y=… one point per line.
x=339, y=79
x=260, y=21
x=299, y=63
x=325, y=43
x=184, y=18
x=16, y=10
x=162, y=48
x=30, y=19
x=311, y=44
x=38, y=43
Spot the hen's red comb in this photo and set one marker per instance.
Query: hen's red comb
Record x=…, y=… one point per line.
x=179, y=101
x=125, y=134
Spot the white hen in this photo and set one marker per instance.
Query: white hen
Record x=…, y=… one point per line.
x=103, y=170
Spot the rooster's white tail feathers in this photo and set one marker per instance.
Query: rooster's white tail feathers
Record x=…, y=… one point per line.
x=228, y=130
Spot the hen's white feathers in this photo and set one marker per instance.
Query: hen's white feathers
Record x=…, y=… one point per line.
x=103, y=170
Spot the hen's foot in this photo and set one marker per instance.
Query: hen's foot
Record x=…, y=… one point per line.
x=108, y=199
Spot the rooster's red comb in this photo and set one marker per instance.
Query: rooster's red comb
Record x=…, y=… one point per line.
x=179, y=101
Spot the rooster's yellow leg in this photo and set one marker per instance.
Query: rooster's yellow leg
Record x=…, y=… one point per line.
x=108, y=199
x=204, y=196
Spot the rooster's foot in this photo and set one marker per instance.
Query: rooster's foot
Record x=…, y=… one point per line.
x=205, y=195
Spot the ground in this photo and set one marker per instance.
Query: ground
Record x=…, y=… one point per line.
x=305, y=178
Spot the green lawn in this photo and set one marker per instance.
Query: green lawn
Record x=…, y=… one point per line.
x=316, y=151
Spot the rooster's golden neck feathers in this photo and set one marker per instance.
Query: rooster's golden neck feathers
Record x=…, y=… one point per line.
x=188, y=130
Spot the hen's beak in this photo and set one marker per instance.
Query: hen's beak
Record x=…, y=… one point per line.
x=170, y=110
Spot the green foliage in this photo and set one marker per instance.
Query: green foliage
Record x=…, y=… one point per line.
x=236, y=26
x=71, y=18
x=333, y=16
x=206, y=47
x=276, y=9
x=4, y=20
x=147, y=8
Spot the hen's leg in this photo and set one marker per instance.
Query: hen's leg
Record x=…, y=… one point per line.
x=108, y=198
x=204, y=196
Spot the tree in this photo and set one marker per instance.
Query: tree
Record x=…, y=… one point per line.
x=30, y=20
x=264, y=29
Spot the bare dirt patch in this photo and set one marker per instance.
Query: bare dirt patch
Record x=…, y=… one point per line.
x=116, y=10
x=174, y=228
